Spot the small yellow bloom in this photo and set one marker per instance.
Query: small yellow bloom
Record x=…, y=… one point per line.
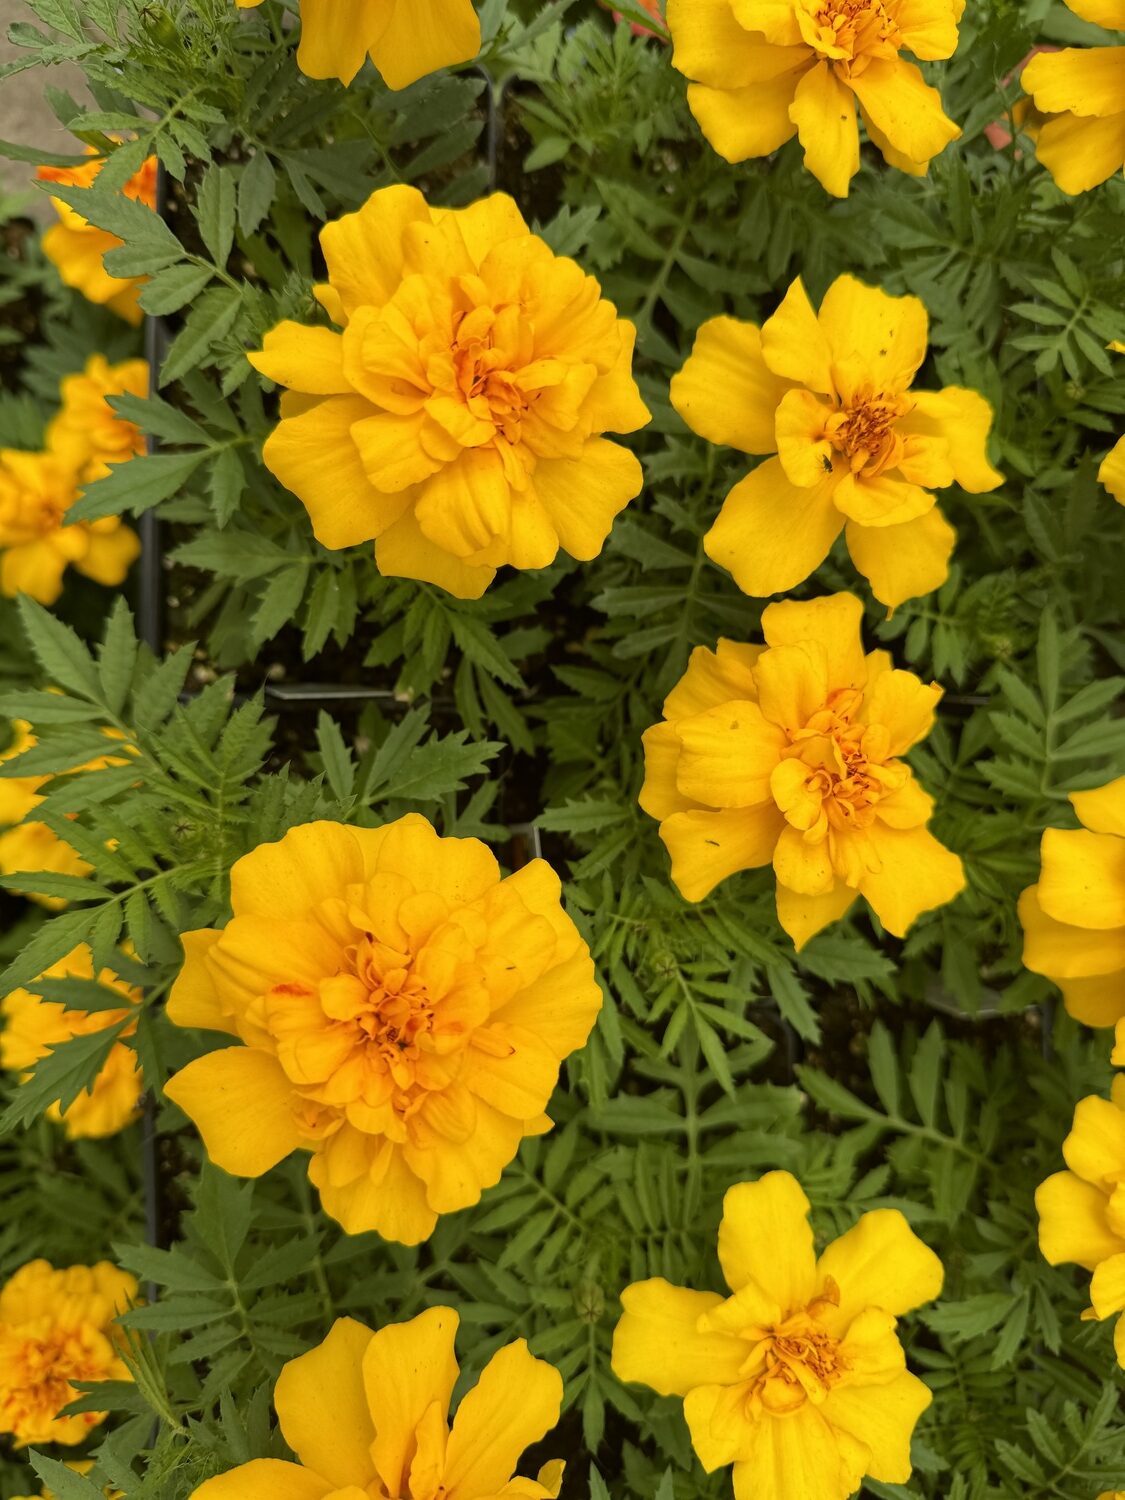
x=33, y=1026
x=1082, y=1211
x=87, y=430
x=789, y=753
x=763, y=71
x=857, y=450
x=368, y=1414
x=75, y=247
x=29, y=846
x=1082, y=91
x=798, y=1378
x=403, y=1011
x=405, y=39
x=56, y=1327
x=458, y=417
x=1074, y=918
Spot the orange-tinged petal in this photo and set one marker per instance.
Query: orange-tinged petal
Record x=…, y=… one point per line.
x=1072, y=1222
x=793, y=684
x=823, y=111
x=422, y=36
x=1083, y=878
x=658, y=1343
x=882, y=1263
x=407, y=1368
x=265, y=1479
x=515, y=1402
x=904, y=561
x=904, y=107
x=1078, y=80
x=726, y=392
x=727, y=754
x=240, y=1101
x=745, y=122
x=707, y=847
x=770, y=534
x=391, y=452
x=802, y=917
x=883, y=1419
x=1102, y=810
x=916, y=874
x=322, y=1406
x=765, y=1237
x=832, y=623
x=1082, y=152
x=394, y=1206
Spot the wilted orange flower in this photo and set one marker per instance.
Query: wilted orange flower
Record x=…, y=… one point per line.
x=858, y=449
x=1082, y=90
x=367, y=1415
x=763, y=71
x=404, y=39
x=403, y=1011
x=458, y=417
x=29, y=846
x=55, y=1329
x=33, y=1026
x=789, y=754
x=76, y=248
x=1074, y=918
x=87, y=430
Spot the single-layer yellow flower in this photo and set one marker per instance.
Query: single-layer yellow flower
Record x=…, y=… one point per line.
x=33, y=1026
x=367, y=1414
x=763, y=71
x=403, y=1010
x=1082, y=1210
x=26, y=845
x=1074, y=918
x=56, y=1327
x=458, y=417
x=1082, y=90
x=87, y=431
x=788, y=754
x=797, y=1378
x=76, y=248
x=405, y=39
x=857, y=449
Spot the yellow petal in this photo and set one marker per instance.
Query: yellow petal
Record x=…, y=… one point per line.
x=906, y=561
x=720, y=1426
x=1072, y=1222
x=458, y=870
x=364, y=250
x=1083, y=878
x=765, y=1237
x=35, y=569
x=770, y=534
x=795, y=345
x=1064, y=950
x=802, y=917
x=403, y=551
x=745, y=122
x=726, y=392
x=917, y=874
x=515, y=1402
x=823, y=111
x=583, y=495
x=1102, y=810
x=904, y=107
x=660, y=797
x=658, y=1343
x=713, y=677
x=1078, y=80
x=1107, y=13
x=793, y=684
x=880, y=500
x=390, y=449
x=904, y=706
x=1107, y=1289
x=711, y=46
x=1082, y=153
x=727, y=754
x=561, y=1006
x=334, y=40
x=194, y=999
x=1096, y=1001
x=885, y=336
x=490, y=222
x=1112, y=471
x=394, y=1206
x=322, y=1406
x=964, y=420
x=803, y=865
x=804, y=450
x=304, y=359
x=800, y=1457
x=1095, y=1148
x=109, y=556
x=241, y=1103
x=881, y=1263
x=407, y=1368
x=287, y=880
x=265, y=1479
x=831, y=622
x=882, y=1418
x=422, y=36
x=707, y=847
x=928, y=30
x=775, y=19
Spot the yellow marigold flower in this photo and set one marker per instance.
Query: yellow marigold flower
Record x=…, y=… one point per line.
x=763, y=71
x=29, y=846
x=856, y=447
x=1074, y=918
x=1082, y=1210
x=87, y=429
x=458, y=418
x=1082, y=90
x=789, y=753
x=55, y=1329
x=367, y=1414
x=1112, y=471
x=404, y=1012
x=798, y=1378
x=75, y=247
x=33, y=1026
x=405, y=39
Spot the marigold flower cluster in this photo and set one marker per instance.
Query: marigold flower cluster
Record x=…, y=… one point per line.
x=56, y=1328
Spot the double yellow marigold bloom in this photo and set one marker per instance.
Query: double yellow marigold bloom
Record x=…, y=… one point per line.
x=1082, y=91
x=403, y=1013
x=367, y=1414
x=76, y=247
x=457, y=419
x=788, y=753
x=55, y=1329
x=26, y=845
x=405, y=39
x=763, y=71
x=857, y=449
x=797, y=1378
x=1074, y=918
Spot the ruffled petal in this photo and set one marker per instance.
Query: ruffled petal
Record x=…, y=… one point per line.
x=1077, y=80
x=727, y=754
x=916, y=874
x=963, y=419
x=583, y=495
x=322, y=1406
x=883, y=1419
x=904, y=108
x=765, y=1237
x=1072, y=1222
x=1062, y=950
x=1081, y=153
x=714, y=677
x=887, y=337
x=240, y=1101
x=726, y=392
x=707, y=847
x=882, y=1263
x=831, y=623
x=905, y=561
x=769, y=534
x=408, y=1367
x=1082, y=881
x=515, y=1402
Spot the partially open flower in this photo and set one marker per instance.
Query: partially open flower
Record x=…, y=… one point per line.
x=55, y=1329
x=26, y=845
x=367, y=1414
x=458, y=418
x=87, y=430
x=403, y=1012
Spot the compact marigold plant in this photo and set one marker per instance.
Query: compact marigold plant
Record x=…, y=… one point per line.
x=458, y=417
x=788, y=753
x=367, y=1414
x=858, y=450
x=1080, y=90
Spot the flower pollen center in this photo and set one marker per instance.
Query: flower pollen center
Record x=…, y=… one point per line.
x=835, y=770
x=797, y=1360
x=856, y=30
x=865, y=432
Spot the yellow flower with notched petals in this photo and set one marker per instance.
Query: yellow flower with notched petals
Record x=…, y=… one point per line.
x=788, y=754
x=457, y=419
x=403, y=1011
x=76, y=248
x=87, y=429
x=797, y=1378
x=405, y=39
x=1082, y=91
x=1074, y=918
x=858, y=450
x=763, y=71
x=367, y=1414
x=1082, y=1210
x=33, y=1026
x=56, y=1328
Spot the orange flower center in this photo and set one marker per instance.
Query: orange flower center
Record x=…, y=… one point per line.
x=864, y=432
x=835, y=770
x=796, y=1360
x=847, y=30
x=484, y=377
x=39, y=1363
